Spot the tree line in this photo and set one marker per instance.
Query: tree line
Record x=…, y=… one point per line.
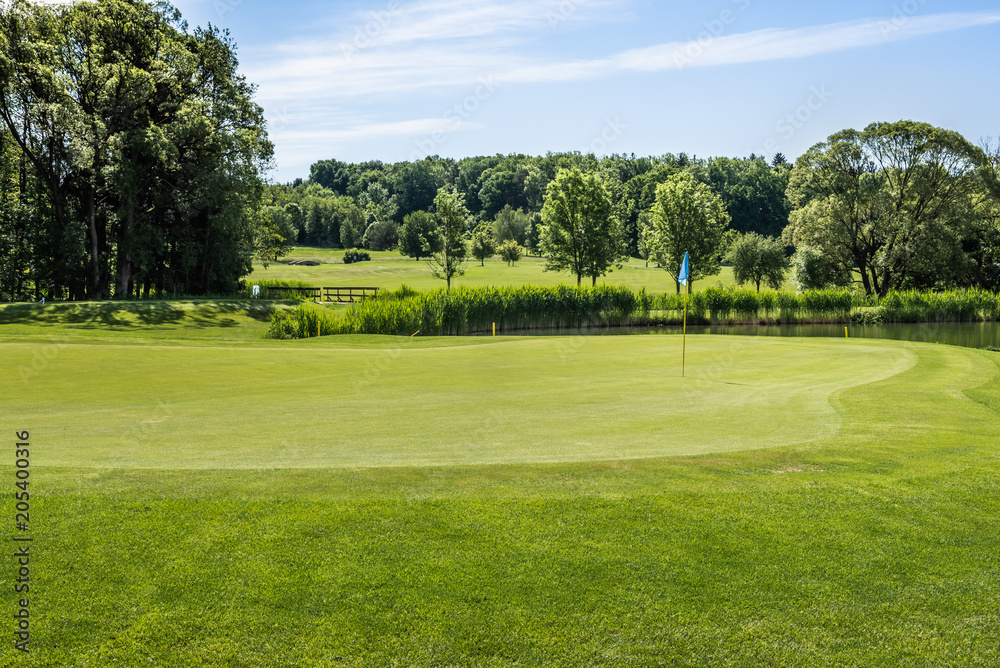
x=132, y=154
x=367, y=204
x=896, y=206
x=133, y=157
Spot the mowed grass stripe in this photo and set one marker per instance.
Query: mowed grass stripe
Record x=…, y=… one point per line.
x=875, y=545
x=528, y=400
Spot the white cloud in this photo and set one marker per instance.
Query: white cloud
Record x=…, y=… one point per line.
x=436, y=54
x=412, y=51
x=763, y=45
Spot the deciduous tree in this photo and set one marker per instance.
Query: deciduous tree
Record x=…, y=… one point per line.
x=895, y=201
x=452, y=218
x=483, y=245
x=580, y=233
x=756, y=259
x=687, y=218
x=419, y=236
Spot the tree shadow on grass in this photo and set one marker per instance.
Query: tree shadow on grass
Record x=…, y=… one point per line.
x=133, y=315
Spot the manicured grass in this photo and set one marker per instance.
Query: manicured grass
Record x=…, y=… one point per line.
x=502, y=401
x=390, y=270
x=150, y=320
x=428, y=502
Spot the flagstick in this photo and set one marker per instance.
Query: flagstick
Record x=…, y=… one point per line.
x=687, y=290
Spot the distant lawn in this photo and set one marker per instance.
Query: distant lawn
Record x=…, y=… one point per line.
x=390, y=270
x=567, y=501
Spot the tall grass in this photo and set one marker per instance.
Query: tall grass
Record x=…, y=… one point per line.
x=964, y=305
x=469, y=310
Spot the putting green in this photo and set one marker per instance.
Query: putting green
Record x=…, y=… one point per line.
x=343, y=402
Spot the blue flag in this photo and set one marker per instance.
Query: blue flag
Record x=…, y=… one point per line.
x=682, y=277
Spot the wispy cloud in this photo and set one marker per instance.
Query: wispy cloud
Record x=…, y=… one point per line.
x=416, y=50
x=446, y=59
x=763, y=45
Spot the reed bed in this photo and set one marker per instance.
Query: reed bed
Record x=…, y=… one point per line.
x=470, y=310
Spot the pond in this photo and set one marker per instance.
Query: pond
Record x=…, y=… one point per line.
x=966, y=334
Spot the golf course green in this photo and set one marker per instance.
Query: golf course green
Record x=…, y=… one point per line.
x=202, y=497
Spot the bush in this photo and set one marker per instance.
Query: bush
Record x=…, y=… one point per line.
x=382, y=235
x=353, y=255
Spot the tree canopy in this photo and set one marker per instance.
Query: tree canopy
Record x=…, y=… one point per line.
x=895, y=202
x=758, y=259
x=137, y=146
x=580, y=232
x=452, y=218
x=687, y=218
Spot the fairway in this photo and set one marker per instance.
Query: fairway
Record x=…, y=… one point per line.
x=510, y=501
x=398, y=402
x=389, y=270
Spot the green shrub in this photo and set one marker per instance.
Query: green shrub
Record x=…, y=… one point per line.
x=353, y=255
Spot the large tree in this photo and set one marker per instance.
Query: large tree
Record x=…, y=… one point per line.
x=452, y=218
x=893, y=202
x=144, y=141
x=580, y=232
x=419, y=236
x=687, y=218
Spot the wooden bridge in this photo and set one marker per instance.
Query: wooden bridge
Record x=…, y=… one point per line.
x=342, y=295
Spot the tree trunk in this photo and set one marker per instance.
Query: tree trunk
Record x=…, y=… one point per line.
x=95, y=259
x=125, y=265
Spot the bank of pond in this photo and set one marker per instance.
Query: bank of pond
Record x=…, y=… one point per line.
x=946, y=316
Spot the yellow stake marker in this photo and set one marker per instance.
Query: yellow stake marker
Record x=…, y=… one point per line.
x=494, y=329
x=846, y=335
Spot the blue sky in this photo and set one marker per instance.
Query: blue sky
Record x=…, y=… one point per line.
x=399, y=79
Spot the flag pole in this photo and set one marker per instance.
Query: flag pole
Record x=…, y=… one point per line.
x=687, y=290
x=684, y=276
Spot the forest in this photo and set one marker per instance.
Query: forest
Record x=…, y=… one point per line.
x=134, y=163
